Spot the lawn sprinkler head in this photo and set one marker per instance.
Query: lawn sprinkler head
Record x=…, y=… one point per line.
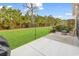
x=4, y=47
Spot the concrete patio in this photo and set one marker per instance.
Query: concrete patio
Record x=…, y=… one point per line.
x=53, y=44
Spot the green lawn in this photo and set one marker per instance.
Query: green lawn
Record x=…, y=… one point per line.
x=19, y=37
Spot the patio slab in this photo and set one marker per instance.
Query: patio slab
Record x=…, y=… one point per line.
x=25, y=50
x=46, y=47
x=72, y=40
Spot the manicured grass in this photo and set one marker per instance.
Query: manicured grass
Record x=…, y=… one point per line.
x=19, y=37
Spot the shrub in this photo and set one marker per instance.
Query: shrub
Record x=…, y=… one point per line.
x=60, y=28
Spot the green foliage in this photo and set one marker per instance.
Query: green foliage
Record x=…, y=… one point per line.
x=13, y=18
x=62, y=28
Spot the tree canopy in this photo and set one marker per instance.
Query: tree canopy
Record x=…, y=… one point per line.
x=12, y=18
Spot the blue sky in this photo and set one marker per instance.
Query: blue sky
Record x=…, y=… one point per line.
x=59, y=10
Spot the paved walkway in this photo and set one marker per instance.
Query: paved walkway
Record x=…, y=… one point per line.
x=64, y=38
x=50, y=45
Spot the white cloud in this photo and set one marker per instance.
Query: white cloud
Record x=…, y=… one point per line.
x=59, y=16
x=68, y=14
x=9, y=6
x=25, y=10
x=39, y=5
x=1, y=7
x=41, y=8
